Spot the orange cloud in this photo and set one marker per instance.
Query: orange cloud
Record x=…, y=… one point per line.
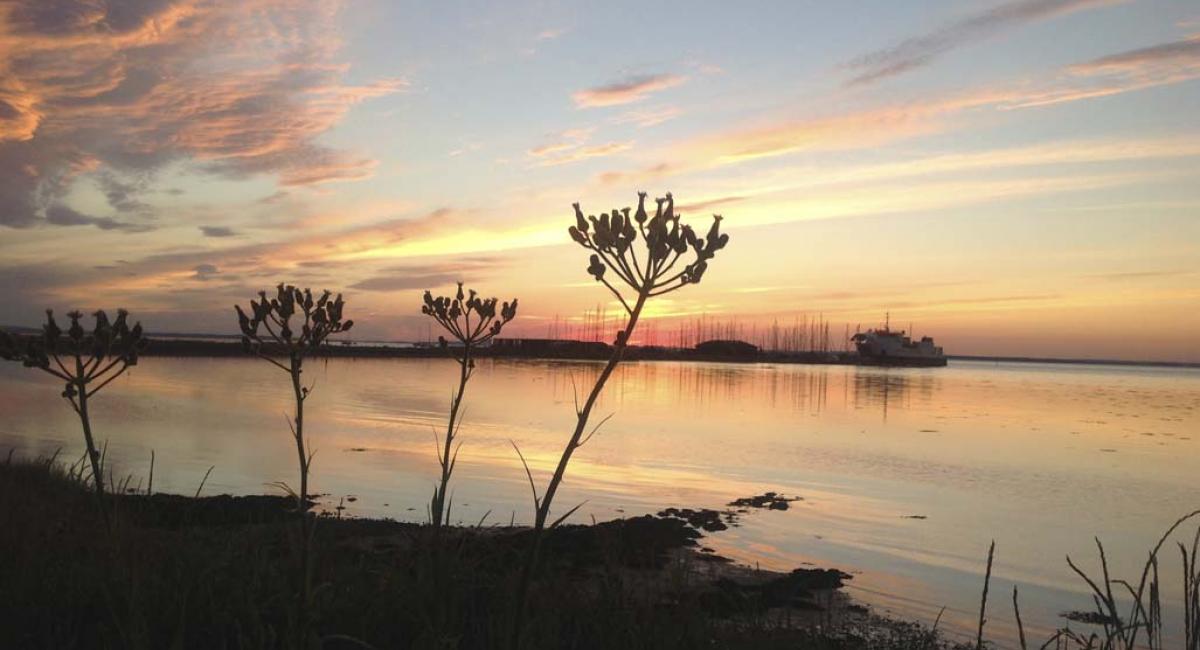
x=241, y=87
x=565, y=141
x=577, y=154
x=632, y=89
x=850, y=131
x=569, y=148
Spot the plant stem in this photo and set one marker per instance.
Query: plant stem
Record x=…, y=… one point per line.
x=93, y=455
x=543, y=511
x=92, y=452
x=302, y=499
x=439, y=500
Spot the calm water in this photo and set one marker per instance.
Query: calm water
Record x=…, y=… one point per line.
x=1038, y=457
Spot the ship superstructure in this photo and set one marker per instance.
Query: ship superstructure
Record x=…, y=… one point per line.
x=885, y=346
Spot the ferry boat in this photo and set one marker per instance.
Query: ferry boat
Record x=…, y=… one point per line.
x=886, y=347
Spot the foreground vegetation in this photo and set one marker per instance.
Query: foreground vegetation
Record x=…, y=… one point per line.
x=220, y=572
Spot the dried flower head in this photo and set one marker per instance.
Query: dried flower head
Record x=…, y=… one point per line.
x=455, y=314
x=612, y=238
x=270, y=320
x=102, y=354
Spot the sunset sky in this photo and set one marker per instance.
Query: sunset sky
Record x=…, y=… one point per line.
x=1014, y=178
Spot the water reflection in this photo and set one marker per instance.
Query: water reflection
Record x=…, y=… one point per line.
x=884, y=388
x=1039, y=457
x=798, y=388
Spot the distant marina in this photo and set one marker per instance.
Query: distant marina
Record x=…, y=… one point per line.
x=201, y=345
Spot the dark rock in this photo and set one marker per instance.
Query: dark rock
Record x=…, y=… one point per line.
x=769, y=500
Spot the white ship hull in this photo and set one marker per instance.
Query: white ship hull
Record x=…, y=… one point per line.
x=888, y=348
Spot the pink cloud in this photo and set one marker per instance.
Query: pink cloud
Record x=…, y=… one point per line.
x=627, y=91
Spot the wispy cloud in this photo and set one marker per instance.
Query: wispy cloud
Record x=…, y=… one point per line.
x=852, y=130
x=232, y=87
x=564, y=141
x=698, y=206
x=1133, y=70
x=1147, y=67
x=639, y=175
x=205, y=272
x=155, y=276
x=583, y=153
x=571, y=146
x=922, y=50
x=217, y=231
x=648, y=117
x=1138, y=275
x=62, y=215
x=1186, y=51
x=626, y=91
x=431, y=275
x=816, y=190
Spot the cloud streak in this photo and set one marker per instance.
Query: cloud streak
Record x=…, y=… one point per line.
x=918, y=51
x=1147, y=67
x=627, y=91
x=577, y=154
x=61, y=215
x=1185, y=52
x=571, y=146
x=649, y=117
x=432, y=275
x=217, y=231
x=1123, y=72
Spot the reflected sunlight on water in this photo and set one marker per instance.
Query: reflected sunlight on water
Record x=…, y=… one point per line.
x=1040, y=457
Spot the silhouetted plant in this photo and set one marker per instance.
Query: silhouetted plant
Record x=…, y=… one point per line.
x=92, y=360
x=1142, y=626
x=454, y=315
x=322, y=319
x=645, y=272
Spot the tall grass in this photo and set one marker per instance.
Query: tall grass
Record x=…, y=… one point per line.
x=1140, y=623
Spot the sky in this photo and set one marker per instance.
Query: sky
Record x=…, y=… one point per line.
x=1012, y=178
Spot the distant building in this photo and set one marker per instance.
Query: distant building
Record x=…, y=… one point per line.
x=723, y=348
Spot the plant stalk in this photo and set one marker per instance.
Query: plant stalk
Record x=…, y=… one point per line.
x=543, y=510
x=437, y=510
x=302, y=501
x=92, y=452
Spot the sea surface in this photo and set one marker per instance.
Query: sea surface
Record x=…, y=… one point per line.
x=906, y=475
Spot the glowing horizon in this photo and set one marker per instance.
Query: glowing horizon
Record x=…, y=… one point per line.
x=1013, y=177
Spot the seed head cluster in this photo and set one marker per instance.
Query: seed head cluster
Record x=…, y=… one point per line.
x=322, y=318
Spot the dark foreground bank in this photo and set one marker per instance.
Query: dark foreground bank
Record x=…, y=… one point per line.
x=219, y=572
